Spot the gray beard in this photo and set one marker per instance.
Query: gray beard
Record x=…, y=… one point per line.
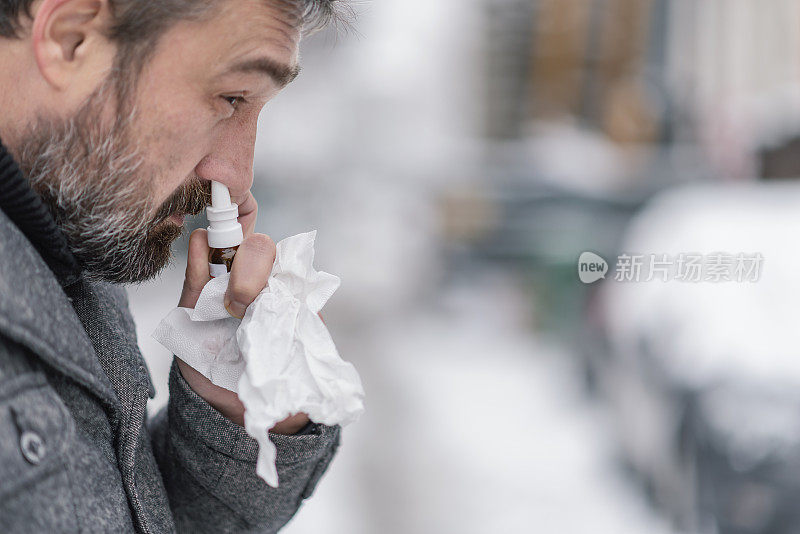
x=99, y=191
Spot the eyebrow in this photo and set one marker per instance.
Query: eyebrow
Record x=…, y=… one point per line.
x=280, y=73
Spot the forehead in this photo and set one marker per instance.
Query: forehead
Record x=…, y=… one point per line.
x=235, y=30
x=270, y=23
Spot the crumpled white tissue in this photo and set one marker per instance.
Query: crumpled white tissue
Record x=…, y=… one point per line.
x=280, y=357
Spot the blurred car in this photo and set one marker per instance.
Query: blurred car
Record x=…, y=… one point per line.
x=703, y=377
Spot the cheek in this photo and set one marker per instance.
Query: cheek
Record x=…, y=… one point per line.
x=175, y=146
x=176, y=122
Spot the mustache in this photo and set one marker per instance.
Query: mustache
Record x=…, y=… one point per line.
x=190, y=198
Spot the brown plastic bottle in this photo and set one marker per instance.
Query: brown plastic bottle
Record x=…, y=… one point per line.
x=220, y=260
x=224, y=230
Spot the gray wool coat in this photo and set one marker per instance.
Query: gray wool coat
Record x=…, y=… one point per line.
x=78, y=452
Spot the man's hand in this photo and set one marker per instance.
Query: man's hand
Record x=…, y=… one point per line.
x=249, y=273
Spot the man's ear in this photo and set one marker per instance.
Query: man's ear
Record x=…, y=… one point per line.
x=70, y=43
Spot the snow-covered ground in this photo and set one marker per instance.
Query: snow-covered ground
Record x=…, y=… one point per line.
x=473, y=424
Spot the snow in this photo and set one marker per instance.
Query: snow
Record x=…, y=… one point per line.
x=705, y=333
x=473, y=424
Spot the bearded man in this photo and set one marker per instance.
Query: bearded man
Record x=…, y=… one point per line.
x=115, y=115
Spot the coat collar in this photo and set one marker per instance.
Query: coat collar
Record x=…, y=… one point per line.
x=36, y=313
x=28, y=212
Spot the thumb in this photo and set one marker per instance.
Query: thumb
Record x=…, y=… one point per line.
x=197, y=274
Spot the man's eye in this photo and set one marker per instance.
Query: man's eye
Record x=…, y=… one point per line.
x=234, y=101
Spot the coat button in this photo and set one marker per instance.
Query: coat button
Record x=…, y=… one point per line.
x=32, y=446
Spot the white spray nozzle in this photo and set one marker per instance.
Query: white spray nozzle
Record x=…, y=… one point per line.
x=220, y=196
x=224, y=229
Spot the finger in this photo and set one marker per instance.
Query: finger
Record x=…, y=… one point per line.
x=197, y=274
x=291, y=425
x=249, y=273
x=248, y=211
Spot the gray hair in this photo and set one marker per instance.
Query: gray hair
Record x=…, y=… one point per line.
x=146, y=20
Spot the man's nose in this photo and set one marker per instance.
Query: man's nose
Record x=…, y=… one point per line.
x=230, y=160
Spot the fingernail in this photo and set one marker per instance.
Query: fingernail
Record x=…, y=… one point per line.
x=236, y=309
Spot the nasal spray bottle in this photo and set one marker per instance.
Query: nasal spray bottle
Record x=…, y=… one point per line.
x=224, y=231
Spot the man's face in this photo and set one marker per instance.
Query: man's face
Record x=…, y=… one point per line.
x=120, y=175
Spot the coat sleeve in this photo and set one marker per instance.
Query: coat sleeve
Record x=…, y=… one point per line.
x=208, y=464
